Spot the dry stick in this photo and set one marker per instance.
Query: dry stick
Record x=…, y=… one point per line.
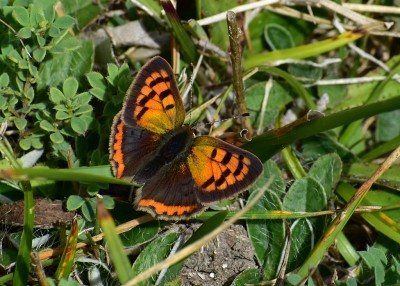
x=39, y=269
x=241, y=8
x=349, y=14
x=372, y=8
x=285, y=258
x=236, y=58
x=183, y=253
x=268, y=87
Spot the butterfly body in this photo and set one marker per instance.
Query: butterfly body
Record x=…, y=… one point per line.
x=150, y=145
x=173, y=148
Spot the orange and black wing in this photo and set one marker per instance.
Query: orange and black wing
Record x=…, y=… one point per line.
x=131, y=147
x=153, y=101
x=221, y=170
x=170, y=194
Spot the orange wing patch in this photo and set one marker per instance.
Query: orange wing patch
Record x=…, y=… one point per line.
x=221, y=170
x=155, y=106
x=116, y=155
x=161, y=209
x=153, y=101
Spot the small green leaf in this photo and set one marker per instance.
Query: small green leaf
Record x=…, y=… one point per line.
x=74, y=202
x=54, y=32
x=70, y=87
x=248, y=276
x=83, y=109
x=14, y=56
x=24, y=33
x=41, y=40
x=61, y=107
x=36, y=143
x=56, y=96
x=266, y=235
x=3, y=102
x=298, y=196
x=327, y=170
x=83, y=98
x=20, y=123
x=63, y=22
x=108, y=202
x=30, y=93
x=45, y=125
x=25, y=144
x=112, y=71
x=92, y=190
x=278, y=37
x=96, y=80
x=98, y=93
x=67, y=44
x=78, y=125
x=87, y=117
x=39, y=54
x=57, y=138
x=33, y=70
x=21, y=15
x=89, y=210
x=388, y=126
x=4, y=80
x=62, y=115
x=156, y=251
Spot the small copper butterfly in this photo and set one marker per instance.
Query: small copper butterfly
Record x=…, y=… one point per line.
x=180, y=173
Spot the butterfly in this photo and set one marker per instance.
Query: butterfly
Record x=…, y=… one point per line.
x=149, y=144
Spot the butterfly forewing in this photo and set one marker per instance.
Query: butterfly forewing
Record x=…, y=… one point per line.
x=221, y=170
x=153, y=100
x=131, y=147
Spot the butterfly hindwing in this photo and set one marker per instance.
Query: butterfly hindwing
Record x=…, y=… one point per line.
x=170, y=194
x=153, y=100
x=131, y=147
x=221, y=170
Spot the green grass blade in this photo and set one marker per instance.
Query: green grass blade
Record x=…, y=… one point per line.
x=186, y=43
x=22, y=267
x=266, y=145
x=381, y=149
x=116, y=249
x=304, y=51
x=23, y=262
x=98, y=174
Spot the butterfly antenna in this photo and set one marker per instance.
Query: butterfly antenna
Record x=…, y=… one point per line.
x=246, y=114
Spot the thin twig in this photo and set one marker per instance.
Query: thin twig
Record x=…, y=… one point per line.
x=356, y=80
x=235, y=33
x=372, y=8
x=268, y=87
x=242, y=8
